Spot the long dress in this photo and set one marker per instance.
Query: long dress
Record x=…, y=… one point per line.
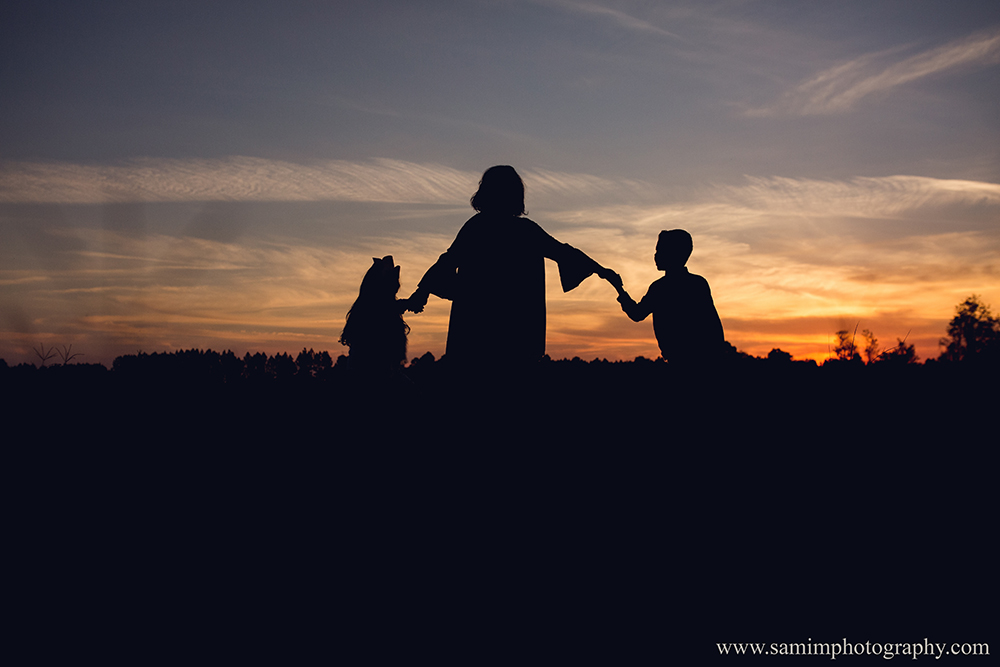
x=494, y=274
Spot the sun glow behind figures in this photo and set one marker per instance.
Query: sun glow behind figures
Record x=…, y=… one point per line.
x=224, y=275
x=830, y=183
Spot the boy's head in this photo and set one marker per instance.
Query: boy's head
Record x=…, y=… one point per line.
x=673, y=248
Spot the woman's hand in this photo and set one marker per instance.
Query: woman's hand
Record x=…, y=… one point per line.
x=610, y=276
x=417, y=301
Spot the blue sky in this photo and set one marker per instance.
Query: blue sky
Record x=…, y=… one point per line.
x=220, y=174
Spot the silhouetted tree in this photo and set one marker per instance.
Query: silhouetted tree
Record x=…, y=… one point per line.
x=233, y=367
x=779, y=356
x=845, y=349
x=255, y=367
x=426, y=358
x=324, y=364
x=281, y=366
x=902, y=354
x=195, y=364
x=871, y=346
x=313, y=364
x=305, y=363
x=730, y=354
x=973, y=334
x=422, y=368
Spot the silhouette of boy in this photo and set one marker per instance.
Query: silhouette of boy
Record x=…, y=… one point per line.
x=687, y=326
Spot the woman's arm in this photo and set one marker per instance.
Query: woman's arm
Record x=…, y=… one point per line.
x=574, y=265
x=441, y=279
x=417, y=300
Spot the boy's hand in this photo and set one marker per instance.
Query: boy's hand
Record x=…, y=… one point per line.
x=611, y=277
x=605, y=273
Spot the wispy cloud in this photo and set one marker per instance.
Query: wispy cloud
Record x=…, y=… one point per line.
x=622, y=19
x=766, y=201
x=376, y=108
x=895, y=252
x=257, y=179
x=838, y=89
x=887, y=196
x=232, y=179
x=546, y=182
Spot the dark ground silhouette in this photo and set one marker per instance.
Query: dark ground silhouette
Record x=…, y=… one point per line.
x=623, y=511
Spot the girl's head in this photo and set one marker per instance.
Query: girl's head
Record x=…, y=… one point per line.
x=381, y=281
x=501, y=191
x=374, y=315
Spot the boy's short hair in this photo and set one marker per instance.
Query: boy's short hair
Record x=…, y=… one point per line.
x=675, y=245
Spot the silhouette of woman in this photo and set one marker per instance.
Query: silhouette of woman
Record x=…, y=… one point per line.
x=494, y=274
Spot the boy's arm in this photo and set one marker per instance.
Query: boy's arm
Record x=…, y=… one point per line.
x=637, y=312
x=616, y=282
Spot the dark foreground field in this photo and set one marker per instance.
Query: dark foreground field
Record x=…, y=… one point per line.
x=621, y=513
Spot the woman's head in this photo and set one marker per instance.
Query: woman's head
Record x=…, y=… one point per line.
x=501, y=190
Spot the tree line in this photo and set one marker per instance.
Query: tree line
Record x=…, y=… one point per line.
x=973, y=340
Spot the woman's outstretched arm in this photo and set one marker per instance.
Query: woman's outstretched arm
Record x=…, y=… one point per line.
x=439, y=280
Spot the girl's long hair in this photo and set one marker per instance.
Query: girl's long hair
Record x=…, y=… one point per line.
x=374, y=320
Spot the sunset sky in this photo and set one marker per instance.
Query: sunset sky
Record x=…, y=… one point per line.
x=220, y=174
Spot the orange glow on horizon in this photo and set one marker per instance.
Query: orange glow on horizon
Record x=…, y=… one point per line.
x=789, y=262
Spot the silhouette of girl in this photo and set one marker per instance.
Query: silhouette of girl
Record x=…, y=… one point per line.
x=375, y=330
x=494, y=274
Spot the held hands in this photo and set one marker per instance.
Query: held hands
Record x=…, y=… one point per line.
x=417, y=301
x=611, y=277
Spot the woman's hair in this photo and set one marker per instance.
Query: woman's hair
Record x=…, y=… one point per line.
x=501, y=190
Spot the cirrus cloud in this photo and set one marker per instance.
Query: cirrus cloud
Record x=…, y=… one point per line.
x=258, y=180
x=839, y=88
